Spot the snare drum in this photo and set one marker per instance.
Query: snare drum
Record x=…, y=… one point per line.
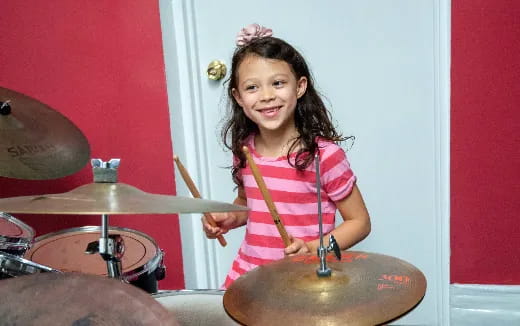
x=196, y=307
x=15, y=236
x=142, y=262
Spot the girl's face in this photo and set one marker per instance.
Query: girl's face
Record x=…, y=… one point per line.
x=267, y=91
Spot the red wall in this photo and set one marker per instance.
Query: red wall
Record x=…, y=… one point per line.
x=485, y=142
x=99, y=63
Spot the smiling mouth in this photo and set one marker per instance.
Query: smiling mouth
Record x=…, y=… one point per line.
x=270, y=111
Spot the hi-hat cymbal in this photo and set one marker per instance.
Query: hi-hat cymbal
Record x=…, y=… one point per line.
x=37, y=142
x=364, y=289
x=111, y=198
x=77, y=299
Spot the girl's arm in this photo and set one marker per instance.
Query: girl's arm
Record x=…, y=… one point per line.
x=355, y=226
x=227, y=220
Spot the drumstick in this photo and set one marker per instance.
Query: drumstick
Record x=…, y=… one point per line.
x=267, y=197
x=195, y=193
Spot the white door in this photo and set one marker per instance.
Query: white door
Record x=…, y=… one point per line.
x=383, y=67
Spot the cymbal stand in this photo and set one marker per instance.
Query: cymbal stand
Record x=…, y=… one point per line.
x=323, y=270
x=110, y=247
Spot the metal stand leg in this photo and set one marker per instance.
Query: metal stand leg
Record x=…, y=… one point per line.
x=323, y=270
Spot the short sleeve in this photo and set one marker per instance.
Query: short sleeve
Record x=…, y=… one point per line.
x=337, y=177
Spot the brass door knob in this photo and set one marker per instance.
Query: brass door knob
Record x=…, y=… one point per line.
x=216, y=70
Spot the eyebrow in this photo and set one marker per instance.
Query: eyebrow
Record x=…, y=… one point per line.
x=275, y=76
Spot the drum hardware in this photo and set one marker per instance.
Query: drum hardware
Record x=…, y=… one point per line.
x=15, y=236
x=323, y=270
x=78, y=299
x=160, y=271
x=111, y=248
x=119, y=247
x=5, y=108
x=38, y=142
x=13, y=266
x=114, y=249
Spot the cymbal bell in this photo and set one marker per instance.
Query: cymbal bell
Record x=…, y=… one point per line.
x=111, y=198
x=364, y=289
x=37, y=142
x=78, y=299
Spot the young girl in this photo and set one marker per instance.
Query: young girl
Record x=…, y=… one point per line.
x=278, y=114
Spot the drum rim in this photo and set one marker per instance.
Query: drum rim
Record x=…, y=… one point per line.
x=92, y=229
x=19, y=261
x=24, y=242
x=130, y=275
x=167, y=293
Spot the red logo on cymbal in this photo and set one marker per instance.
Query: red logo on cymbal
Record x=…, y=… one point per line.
x=392, y=282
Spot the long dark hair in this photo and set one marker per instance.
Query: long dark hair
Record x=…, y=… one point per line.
x=312, y=119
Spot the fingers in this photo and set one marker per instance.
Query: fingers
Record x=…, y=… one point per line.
x=297, y=247
x=211, y=231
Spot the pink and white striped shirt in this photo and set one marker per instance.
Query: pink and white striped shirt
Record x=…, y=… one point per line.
x=295, y=197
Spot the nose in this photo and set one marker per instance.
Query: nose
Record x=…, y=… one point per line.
x=267, y=94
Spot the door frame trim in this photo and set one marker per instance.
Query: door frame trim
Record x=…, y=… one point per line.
x=183, y=83
x=442, y=65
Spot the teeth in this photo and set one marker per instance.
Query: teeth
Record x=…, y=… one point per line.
x=270, y=109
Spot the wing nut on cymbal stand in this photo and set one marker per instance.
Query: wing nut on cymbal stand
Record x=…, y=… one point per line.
x=110, y=247
x=323, y=270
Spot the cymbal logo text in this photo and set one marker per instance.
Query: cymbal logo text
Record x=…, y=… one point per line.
x=392, y=281
x=23, y=150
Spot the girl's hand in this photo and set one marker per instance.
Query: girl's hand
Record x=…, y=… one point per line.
x=297, y=247
x=224, y=221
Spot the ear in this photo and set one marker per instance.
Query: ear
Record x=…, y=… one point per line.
x=236, y=96
x=301, y=86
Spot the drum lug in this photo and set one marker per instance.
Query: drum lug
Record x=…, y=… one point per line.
x=160, y=272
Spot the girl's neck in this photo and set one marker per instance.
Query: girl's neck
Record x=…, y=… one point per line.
x=275, y=143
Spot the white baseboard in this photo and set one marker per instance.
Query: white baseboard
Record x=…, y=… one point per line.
x=476, y=305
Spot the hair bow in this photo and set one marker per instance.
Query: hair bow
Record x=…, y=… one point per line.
x=252, y=32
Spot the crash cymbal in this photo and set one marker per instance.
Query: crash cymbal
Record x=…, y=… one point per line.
x=77, y=299
x=37, y=142
x=364, y=289
x=111, y=198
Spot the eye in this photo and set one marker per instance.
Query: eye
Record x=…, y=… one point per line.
x=251, y=87
x=278, y=83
